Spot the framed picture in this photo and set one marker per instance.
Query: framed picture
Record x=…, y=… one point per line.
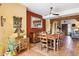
x=36, y=22
x=17, y=22
x=2, y=20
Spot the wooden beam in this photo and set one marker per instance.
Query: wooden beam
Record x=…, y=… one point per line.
x=66, y=18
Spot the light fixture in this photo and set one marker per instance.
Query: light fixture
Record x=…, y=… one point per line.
x=51, y=14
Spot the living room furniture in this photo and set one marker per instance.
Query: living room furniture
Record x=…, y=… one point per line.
x=51, y=41
x=44, y=42
x=75, y=34
x=21, y=44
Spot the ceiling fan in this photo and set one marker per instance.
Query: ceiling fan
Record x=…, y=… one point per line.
x=51, y=14
x=51, y=11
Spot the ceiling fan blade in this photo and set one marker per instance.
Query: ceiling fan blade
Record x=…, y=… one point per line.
x=55, y=14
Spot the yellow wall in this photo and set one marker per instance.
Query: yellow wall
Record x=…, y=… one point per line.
x=47, y=25
x=53, y=26
x=8, y=11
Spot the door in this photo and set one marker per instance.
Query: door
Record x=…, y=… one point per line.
x=65, y=28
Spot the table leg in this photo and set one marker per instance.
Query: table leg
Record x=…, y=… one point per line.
x=54, y=45
x=57, y=44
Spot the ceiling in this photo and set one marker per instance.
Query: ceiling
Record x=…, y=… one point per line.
x=44, y=8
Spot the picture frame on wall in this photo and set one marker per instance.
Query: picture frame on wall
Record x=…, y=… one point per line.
x=17, y=22
x=2, y=20
x=36, y=22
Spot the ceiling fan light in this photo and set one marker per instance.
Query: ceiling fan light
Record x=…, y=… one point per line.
x=48, y=16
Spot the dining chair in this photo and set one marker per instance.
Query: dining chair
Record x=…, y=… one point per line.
x=44, y=41
x=60, y=39
x=51, y=42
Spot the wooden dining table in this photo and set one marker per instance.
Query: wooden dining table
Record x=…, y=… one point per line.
x=52, y=37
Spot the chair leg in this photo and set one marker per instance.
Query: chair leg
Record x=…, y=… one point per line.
x=41, y=46
x=47, y=49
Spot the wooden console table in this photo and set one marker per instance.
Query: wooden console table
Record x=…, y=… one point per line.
x=21, y=44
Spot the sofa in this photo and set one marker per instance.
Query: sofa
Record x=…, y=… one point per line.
x=75, y=34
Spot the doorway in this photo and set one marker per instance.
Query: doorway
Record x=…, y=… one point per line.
x=65, y=28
